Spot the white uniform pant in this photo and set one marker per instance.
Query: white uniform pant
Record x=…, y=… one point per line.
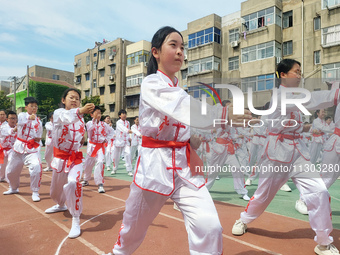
x=48, y=154
x=15, y=165
x=315, y=151
x=127, y=157
x=66, y=187
x=98, y=163
x=219, y=160
x=134, y=149
x=311, y=187
x=4, y=165
x=108, y=158
x=198, y=210
x=330, y=167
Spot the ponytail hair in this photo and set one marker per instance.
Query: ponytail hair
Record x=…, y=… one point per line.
x=316, y=113
x=157, y=42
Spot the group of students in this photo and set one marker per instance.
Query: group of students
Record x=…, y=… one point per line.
x=167, y=158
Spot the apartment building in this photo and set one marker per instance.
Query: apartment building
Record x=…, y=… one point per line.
x=101, y=71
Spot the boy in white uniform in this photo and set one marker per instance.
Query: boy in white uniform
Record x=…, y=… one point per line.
x=122, y=143
x=8, y=135
x=97, y=131
x=136, y=140
x=108, y=155
x=26, y=150
x=48, y=143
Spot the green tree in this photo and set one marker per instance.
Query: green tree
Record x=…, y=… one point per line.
x=96, y=101
x=46, y=106
x=5, y=102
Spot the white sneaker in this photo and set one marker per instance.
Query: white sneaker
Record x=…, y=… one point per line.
x=101, y=188
x=286, y=188
x=301, y=207
x=130, y=174
x=239, y=228
x=11, y=191
x=35, y=197
x=47, y=169
x=326, y=249
x=75, y=230
x=217, y=177
x=176, y=207
x=108, y=169
x=113, y=172
x=246, y=197
x=248, y=182
x=85, y=183
x=56, y=208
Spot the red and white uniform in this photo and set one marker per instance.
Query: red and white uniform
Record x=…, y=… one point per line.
x=109, y=149
x=122, y=144
x=136, y=140
x=26, y=151
x=163, y=172
x=285, y=150
x=7, y=139
x=67, y=164
x=318, y=139
x=48, y=143
x=98, y=133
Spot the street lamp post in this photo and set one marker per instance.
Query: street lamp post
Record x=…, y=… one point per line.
x=14, y=78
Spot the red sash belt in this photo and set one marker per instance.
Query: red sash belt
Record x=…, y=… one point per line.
x=2, y=155
x=97, y=147
x=337, y=131
x=318, y=135
x=286, y=136
x=30, y=143
x=192, y=156
x=73, y=157
x=228, y=143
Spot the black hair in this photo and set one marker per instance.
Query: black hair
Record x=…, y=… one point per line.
x=11, y=113
x=121, y=111
x=50, y=115
x=224, y=102
x=96, y=108
x=107, y=116
x=316, y=113
x=284, y=67
x=65, y=95
x=30, y=100
x=157, y=42
x=136, y=117
x=328, y=117
x=266, y=106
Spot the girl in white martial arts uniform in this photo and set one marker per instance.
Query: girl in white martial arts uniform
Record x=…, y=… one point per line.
x=67, y=164
x=162, y=169
x=285, y=150
x=110, y=139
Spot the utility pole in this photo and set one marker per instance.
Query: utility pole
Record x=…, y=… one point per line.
x=14, y=78
x=28, y=81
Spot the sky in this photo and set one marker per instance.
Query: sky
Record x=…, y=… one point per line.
x=51, y=33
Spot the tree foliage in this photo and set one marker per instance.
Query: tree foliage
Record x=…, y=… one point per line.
x=46, y=106
x=96, y=101
x=5, y=102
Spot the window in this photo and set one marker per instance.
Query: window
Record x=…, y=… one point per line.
x=87, y=60
x=205, y=36
x=138, y=57
x=330, y=3
x=317, y=57
x=261, y=18
x=87, y=76
x=101, y=72
x=95, y=65
x=102, y=54
x=113, y=69
x=287, y=19
x=233, y=63
x=102, y=90
x=331, y=72
x=317, y=23
x=288, y=48
x=55, y=77
x=32, y=74
x=261, y=51
x=258, y=83
x=112, y=107
x=198, y=91
x=79, y=63
x=204, y=64
x=78, y=79
x=95, y=83
x=184, y=73
x=112, y=88
x=134, y=80
x=87, y=93
x=95, y=54
x=234, y=35
x=132, y=101
x=331, y=35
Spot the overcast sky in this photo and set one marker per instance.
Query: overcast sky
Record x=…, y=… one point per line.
x=51, y=33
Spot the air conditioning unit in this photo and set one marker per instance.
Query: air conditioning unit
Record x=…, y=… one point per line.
x=185, y=57
x=234, y=44
x=111, y=77
x=111, y=57
x=278, y=60
x=75, y=63
x=146, y=64
x=75, y=80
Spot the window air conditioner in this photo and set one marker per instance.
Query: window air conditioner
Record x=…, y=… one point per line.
x=234, y=44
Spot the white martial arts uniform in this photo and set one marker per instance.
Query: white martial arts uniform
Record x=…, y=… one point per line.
x=285, y=152
x=122, y=145
x=109, y=149
x=26, y=151
x=48, y=144
x=163, y=172
x=69, y=129
x=136, y=141
x=98, y=134
x=7, y=139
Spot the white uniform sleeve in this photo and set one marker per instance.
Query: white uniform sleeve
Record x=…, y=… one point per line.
x=121, y=128
x=23, y=118
x=65, y=117
x=135, y=130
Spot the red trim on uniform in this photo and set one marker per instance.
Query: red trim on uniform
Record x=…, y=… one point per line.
x=30, y=143
x=336, y=97
x=173, y=85
x=75, y=157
